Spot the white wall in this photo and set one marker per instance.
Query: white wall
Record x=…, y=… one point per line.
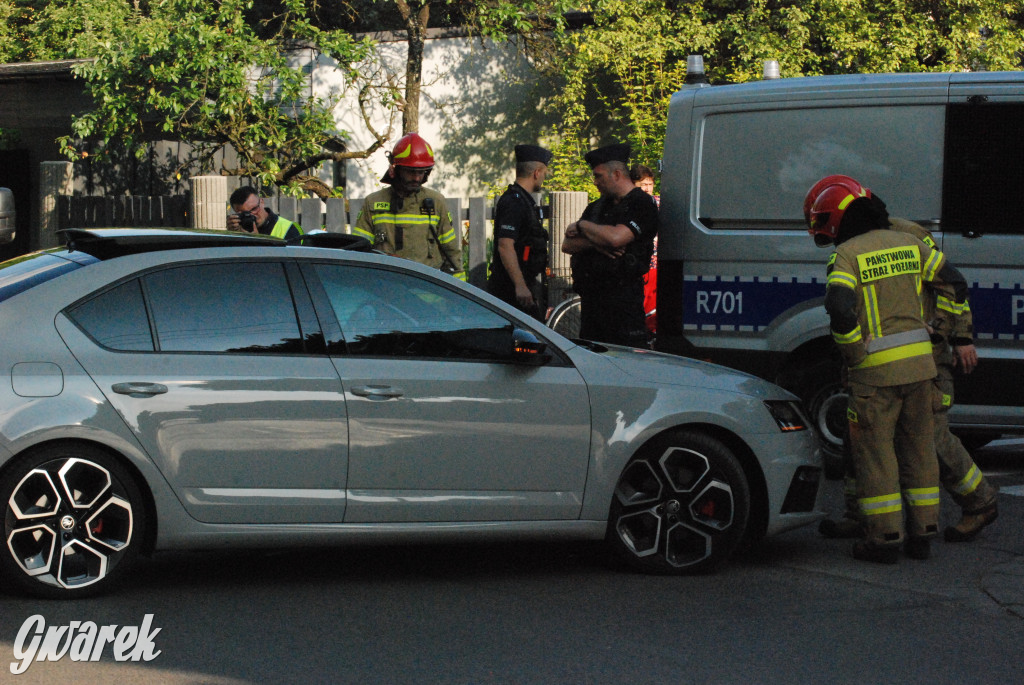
x=479, y=101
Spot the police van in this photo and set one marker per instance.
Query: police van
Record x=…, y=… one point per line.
x=740, y=280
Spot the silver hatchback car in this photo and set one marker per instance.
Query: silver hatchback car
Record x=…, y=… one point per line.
x=185, y=390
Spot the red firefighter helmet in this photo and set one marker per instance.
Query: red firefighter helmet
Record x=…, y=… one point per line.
x=412, y=151
x=816, y=189
x=834, y=195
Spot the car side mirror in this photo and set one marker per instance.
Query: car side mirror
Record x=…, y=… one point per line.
x=527, y=349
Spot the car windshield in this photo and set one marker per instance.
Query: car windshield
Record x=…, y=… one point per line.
x=24, y=273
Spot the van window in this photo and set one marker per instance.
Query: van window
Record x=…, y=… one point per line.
x=984, y=168
x=756, y=166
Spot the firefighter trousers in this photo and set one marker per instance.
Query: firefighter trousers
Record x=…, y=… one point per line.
x=958, y=473
x=893, y=448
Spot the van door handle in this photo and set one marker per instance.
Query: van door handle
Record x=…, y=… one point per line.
x=377, y=392
x=139, y=389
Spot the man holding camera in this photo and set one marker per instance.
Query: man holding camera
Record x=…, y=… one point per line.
x=252, y=216
x=408, y=220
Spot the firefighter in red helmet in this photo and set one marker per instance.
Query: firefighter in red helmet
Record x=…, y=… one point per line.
x=876, y=318
x=952, y=347
x=408, y=220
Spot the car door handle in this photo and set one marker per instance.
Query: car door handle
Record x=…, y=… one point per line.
x=377, y=392
x=137, y=389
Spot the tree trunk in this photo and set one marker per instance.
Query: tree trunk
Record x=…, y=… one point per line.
x=416, y=27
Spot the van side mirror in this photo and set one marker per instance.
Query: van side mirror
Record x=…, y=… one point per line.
x=527, y=349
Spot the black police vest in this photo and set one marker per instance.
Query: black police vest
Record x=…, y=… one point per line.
x=532, y=244
x=592, y=270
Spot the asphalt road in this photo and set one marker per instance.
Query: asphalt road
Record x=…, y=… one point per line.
x=795, y=609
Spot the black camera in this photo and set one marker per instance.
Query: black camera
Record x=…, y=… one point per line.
x=247, y=221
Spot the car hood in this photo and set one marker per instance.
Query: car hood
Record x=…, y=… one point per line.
x=659, y=368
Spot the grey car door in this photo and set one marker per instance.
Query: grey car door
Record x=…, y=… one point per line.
x=443, y=426
x=217, y=370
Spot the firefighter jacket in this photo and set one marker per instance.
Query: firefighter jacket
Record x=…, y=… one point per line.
x=951, y=322
x=873, y=298
x=418, y=227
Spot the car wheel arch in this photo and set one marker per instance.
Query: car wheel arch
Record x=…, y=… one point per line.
x=148, y=501
x=632, y=531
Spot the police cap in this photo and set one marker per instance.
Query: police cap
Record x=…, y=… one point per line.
x=618, y=152
x=532, y=153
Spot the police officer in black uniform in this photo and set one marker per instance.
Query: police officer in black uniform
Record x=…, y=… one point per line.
x=520, y=242
x=611, y=247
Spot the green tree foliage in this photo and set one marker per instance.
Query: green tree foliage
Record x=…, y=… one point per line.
x=618, y=72
x=227, y=72
x=208, y=72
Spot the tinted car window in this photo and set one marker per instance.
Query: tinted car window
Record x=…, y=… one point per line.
x=984, y=168
x=224, y=307
x=116, y=319
x=388, y=313
x=757, y=165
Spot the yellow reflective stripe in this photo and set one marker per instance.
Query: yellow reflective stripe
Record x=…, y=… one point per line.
x=406, y=219
x=847, y=338
x=403, y=153
x=846, y=201
x=356, y=230
x=919, y=286
x=922, y=497
x=461, y=275
x=883, y=504
x=895, y=354
x=892, y=340
x=871, y=311
x=948, y=305
x=842, y=278
x=447, y=236
x=970, y=482
x=932, y=266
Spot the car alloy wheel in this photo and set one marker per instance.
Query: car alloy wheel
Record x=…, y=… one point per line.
x=680, y=506
x=72, y=521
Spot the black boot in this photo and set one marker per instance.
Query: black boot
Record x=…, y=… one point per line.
x=918, y=548
x=864, y=551
x=971, y=524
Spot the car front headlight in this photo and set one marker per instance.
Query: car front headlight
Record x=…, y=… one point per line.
x=787, y=415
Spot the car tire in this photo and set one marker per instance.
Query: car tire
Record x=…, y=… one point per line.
x=681, y=505
x=73, y=521
x=825, y=400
